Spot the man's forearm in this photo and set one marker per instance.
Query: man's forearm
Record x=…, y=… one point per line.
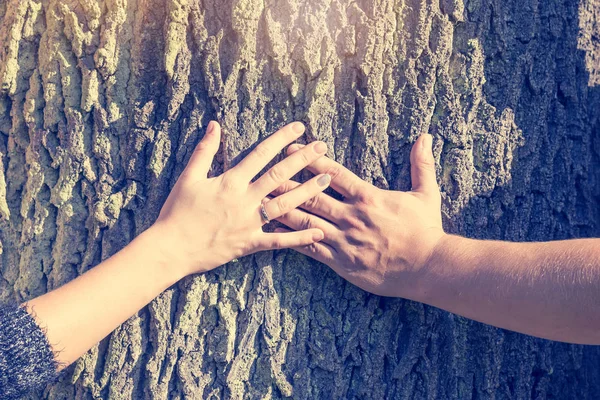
x=549, y=290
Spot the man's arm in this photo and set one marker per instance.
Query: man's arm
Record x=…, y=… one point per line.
x=392, y=243
x=550, y=290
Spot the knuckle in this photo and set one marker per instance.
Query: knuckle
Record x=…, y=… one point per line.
x=307, y=222
x=427, y=164
x=357, y=257
x=312, y=248
x=305, y=157
x=282, y=205
x=262, y=150
x=287, y=186
x=277, y=244
x=312, y=203
x=278, y=191
x=276, y=175
x=354, y=222
x=283, y=188
x=334, y=172
x=351, y=222
x=368, y=198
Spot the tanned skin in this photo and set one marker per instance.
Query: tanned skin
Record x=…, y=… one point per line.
x=392, y=243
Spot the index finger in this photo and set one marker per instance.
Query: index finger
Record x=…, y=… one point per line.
x=265, y=151
x=343, y=181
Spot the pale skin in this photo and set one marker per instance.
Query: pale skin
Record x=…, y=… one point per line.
x=204, y=223
x=392, y=243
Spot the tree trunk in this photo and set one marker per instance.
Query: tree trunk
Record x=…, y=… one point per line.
x=102, y=102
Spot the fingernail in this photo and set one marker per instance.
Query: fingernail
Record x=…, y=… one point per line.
x=324, y=180
x=317, y=236
x=210, y=127
x=298, y=127
x=427, y=142
x=320, y=147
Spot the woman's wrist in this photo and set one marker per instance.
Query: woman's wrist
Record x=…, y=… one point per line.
x=170, y=265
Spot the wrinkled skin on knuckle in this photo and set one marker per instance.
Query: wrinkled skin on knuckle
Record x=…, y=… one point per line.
x=312, y=249
x=276, y=244
x=282, y=205
x=306, y=156
x=262, y=150
x=312, y=203
x=306, y=222
x=276, y=175
x=283, y=188
x=333, y=172
x=369, y=197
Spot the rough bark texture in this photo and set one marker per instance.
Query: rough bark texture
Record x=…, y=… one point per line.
x=102, y=101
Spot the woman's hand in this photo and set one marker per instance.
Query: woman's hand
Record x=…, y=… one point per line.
x=379, y=240
x=207, y=222
x=204, y=223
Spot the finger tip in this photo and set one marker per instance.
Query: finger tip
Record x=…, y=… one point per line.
x=298, y=127
x=420, y=147
x=318, y=235
x=426, y=141
x=213, y=128
x=321, y=147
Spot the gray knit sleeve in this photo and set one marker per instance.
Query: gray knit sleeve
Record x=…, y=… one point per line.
x=26, y=358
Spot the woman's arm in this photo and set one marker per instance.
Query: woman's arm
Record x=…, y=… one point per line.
x=82, y=312
x=204, y=223
x=392, y=243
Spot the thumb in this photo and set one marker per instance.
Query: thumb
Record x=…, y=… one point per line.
x=205, y=151
x=422, y=166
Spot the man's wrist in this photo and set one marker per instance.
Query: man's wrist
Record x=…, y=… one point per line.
x=432, y=275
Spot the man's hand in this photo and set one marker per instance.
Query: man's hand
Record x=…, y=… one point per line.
x=377, y=239
x=392, y=244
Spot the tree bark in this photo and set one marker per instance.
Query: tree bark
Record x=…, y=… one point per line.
x=101, y=103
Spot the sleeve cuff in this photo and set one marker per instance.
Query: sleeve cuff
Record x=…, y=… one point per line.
x=26, y=358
